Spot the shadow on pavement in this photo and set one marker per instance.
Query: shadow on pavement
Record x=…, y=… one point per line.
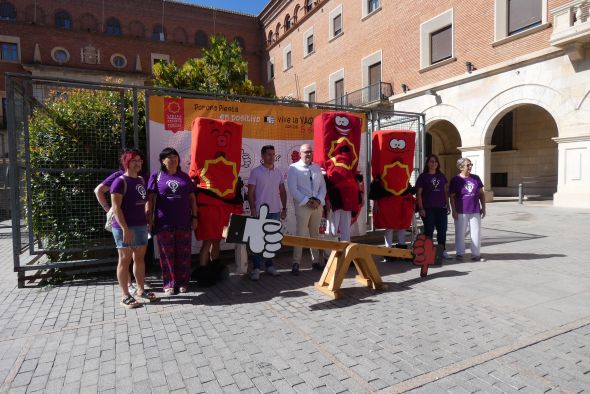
x=356, y=295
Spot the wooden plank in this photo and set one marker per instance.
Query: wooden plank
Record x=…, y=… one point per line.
x=313, y=243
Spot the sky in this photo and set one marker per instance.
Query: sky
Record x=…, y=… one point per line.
x=248, y=6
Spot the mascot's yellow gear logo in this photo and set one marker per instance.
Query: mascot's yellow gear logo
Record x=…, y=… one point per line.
x=215, y=176
x=396, y=177
x=335, y=146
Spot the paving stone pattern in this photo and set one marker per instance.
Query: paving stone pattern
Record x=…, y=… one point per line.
x=519, y=321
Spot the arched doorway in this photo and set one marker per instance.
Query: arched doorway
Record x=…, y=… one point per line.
x=442, y=139
x=524, y=152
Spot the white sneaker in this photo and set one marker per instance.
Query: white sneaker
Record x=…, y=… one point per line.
x=446, y=255
x=272, y=271
x=255, y=275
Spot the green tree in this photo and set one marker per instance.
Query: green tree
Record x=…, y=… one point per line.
x=221, y=70
x=74, y=134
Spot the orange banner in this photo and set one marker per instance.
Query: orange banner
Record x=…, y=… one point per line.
x=260, y=121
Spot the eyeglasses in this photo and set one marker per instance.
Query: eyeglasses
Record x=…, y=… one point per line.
x=468, y=165
x=136, y=161
x=307, y=152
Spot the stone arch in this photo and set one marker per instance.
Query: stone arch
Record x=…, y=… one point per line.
x=542, y=96
x=88, y=23
x=523, y=151
x=296, y=13
x=443, y=139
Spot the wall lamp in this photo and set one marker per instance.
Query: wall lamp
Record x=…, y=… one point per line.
x=470, y=67
x=405, y=87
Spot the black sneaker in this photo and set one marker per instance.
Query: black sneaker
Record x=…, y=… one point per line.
x=317, y=266
x=295, y=269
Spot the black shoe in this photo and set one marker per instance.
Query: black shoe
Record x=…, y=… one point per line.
x=317, y=266
x=295, y=269
x=204, y=276
x=219, y=270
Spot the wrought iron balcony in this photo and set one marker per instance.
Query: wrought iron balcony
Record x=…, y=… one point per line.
x=367, y=96
x=571, y=27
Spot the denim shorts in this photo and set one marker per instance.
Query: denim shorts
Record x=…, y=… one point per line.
x=140, y=237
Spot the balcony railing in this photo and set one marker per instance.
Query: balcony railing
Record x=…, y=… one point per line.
x=571, y=27
x=367, y=96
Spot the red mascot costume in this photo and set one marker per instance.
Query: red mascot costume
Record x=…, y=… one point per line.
x=216, y=151
x=337, y=142
x=392, y=164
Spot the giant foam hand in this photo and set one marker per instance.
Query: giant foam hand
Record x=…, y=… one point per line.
x=261, y=235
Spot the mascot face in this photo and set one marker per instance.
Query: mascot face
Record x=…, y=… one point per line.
x=216, y=152
x=342, y=124
x=393, y=158
x=337, y=137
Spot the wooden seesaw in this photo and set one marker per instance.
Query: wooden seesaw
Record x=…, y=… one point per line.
x=343, y=254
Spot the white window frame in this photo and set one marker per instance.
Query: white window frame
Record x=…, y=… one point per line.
x=113, y=60
x=333, y=14
x=12, y=40
x=55, y=49
x=269, y=67
x=287, y=49
x=335, y=76
x=501, y=22
x=426, y=29
x=367, y=62
x=365, y=10
x=308, y=89
x=158, y=56
x=306, y=35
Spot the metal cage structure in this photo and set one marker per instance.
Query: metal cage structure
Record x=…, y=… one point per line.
x=56, y=159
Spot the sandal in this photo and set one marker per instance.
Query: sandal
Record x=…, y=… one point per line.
x=129, y=302
x=147, y=296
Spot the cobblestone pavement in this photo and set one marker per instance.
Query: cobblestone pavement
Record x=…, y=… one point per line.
x=519, y=321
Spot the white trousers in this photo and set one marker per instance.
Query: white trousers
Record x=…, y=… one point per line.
x=308, y=225
x=474, y=222
x=388, y=235
x=341, y=223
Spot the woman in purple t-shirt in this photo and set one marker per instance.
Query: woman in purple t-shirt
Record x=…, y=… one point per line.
x=468, y=205
x=129, y=196
x=172, y=214
x=432, y=195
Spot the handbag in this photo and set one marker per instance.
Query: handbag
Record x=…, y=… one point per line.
x=110, y=214
x=109, y=223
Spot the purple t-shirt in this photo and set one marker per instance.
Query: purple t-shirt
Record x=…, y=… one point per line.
x=267, y=183
x=173, y=204
x=433, y=189
x=466, y=191
x=134, y=200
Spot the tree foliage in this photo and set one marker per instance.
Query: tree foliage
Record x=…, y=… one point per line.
x=220, y=70
x=73, y=135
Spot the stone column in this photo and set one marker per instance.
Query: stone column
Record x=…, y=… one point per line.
x=573, y=174
x=481, y=157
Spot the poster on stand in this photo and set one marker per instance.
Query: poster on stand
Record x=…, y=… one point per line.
x=286, y=127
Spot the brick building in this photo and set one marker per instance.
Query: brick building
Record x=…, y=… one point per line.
x=503, y=82
x=102, y=40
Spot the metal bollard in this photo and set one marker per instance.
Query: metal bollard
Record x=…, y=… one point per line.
x=520, y=193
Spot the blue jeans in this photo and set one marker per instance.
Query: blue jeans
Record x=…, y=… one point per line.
x=257, y=258
x=436, y=218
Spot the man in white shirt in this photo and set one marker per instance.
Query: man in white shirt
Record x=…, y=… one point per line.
x=308, y=188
